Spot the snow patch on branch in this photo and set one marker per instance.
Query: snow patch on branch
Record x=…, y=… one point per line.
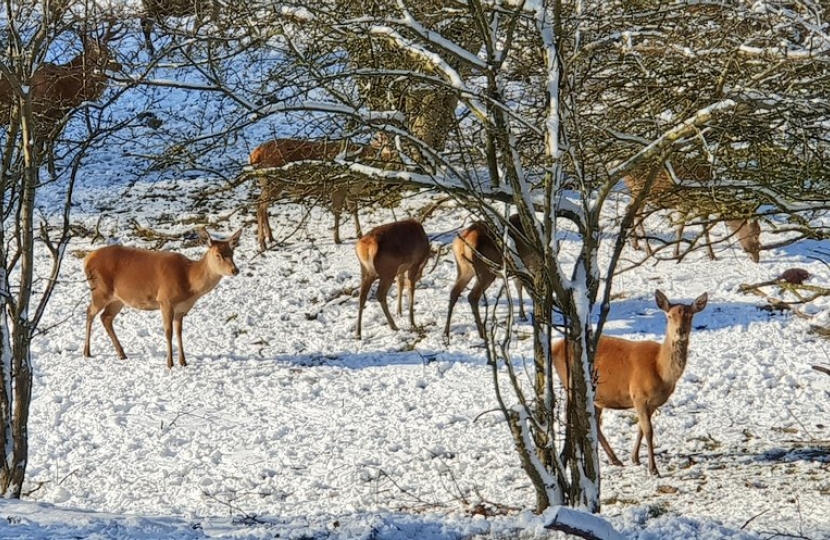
x=582, y=524
x=669, y=137
x=368, y=117
x=436, y=62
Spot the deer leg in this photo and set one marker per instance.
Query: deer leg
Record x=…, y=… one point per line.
x=519, y=288
x=46, y=152
x=566, y=445
x=167, y=323
x=383, y=289
x=680, y=229
x=411, y=280
x=483, y=281
x=337, y=239
x=400, y=280
x=604, y=442
x=637, y=233
x=366, y=281
x=91, y=311
x=461, y=283
x=709, y=250
x=413, y=275
x=642, y=231
x=177, y=325
x=635, y=452
x=357, y=229
x=263, y=230
x=110, y=311
x=146, y=29
x=644, y=427
x=635, y=238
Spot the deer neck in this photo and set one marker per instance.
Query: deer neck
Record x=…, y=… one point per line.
x=673, y=354
x=202, y=277
x=85, y=62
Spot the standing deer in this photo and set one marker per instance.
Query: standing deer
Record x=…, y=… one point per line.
x=477, y=254
x=668, y=195
x=639, y=375
x=156, y=11
x=278, y=153
x=56, y=89
x=387, y=252
x=154, y=280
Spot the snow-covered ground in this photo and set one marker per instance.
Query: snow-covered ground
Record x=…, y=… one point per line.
x=286, y=426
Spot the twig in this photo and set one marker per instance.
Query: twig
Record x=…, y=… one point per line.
x=437, y=255
x=176, y=418
x=479, y=415
x=777, y=303
x=29, y=493
x=459, y=493
x=246, y=517
x=800, y=423
x=62, y=480
x=159, y=237
x=98, y=236
x=822, y=369
x=427, y=211
x=753, y=518
x=383, y=474
x=784, y=535
x=501, y=509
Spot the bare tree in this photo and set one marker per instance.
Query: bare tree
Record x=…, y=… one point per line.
x=751, y=85
x=557, y=102
x=481, y=165
x=31, y=247
x=545, y=106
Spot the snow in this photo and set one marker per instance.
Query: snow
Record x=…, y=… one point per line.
x=285, y=426
x=283, y=415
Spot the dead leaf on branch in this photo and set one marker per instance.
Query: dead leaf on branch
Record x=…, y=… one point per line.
x=790, y=281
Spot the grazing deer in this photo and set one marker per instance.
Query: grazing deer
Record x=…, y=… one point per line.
x=667, y=194
x=637, y=374
x=387, y=252
x=477, y=254
x=154, y=280
x=158, y=10
x=55, y=89
x=278, y=153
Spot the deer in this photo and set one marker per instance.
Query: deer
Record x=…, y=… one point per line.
x=158, y=10
x=666, y=194
x=388, y=252
x=56, y=89
x=639, y=375
x=477, y=254
x=154, y=280
x=277, y=153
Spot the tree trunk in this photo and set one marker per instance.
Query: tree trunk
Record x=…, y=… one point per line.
x=581, y=429
x=16, y=333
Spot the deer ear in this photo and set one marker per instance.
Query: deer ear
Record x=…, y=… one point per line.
x=204, y=235
x=662, y=301
x=700, y=302
x=234, y=239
